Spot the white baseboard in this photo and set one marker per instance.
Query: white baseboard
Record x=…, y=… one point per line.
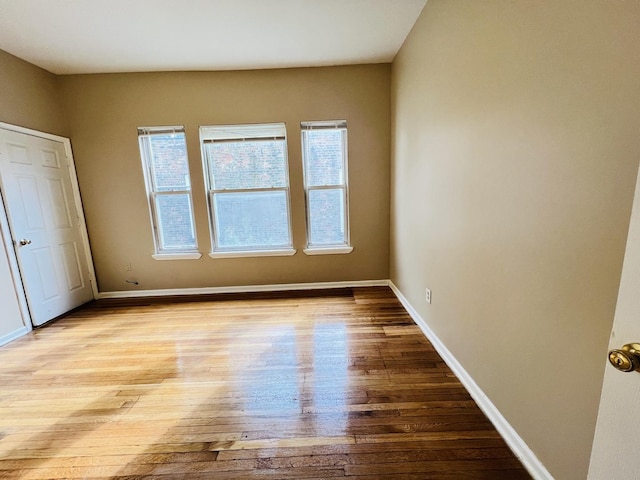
x=511, y=437
x=13, y=335
x=241, y=289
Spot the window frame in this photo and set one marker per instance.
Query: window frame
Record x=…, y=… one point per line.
x=244, y=133
x=153, y=194
x=326, y=249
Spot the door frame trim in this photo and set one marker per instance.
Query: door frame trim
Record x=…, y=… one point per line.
x=4, y=224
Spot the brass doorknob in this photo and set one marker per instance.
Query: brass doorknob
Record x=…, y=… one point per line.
x=24, y=242
x=626, y=359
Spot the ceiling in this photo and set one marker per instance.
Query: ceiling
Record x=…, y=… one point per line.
x=98, y=36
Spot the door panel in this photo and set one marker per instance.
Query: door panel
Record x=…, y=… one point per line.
x=615, y=449
x=11, y=316
x=71, y=262
x=58, y=200
x=41, y=260
x=50, y=158
x=29, y=202
x=36, y=186
x=18, y=153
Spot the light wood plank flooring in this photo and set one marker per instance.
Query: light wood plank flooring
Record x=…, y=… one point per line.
x=308, y=385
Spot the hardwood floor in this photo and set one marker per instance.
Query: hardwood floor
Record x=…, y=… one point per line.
x=295, y=386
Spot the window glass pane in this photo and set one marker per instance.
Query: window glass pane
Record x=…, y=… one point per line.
x=175, y=223
x=247, y=164
x=326, y=217
x=169, y=163
x=251, y=219
x=324, y=157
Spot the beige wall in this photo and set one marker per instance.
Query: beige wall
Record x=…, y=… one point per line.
x=514, y=155
x=105, y=110
x=29, y=97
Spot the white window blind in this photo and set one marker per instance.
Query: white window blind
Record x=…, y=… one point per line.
x=166, y=171
x=324, y=155
x=238, y=133
x=248, y=184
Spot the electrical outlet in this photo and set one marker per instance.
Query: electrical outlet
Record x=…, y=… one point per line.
x=128, y=267
x=428, y=295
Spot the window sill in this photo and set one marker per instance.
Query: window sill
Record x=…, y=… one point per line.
x=254, y=253
x=327, y=250
x=177, y=256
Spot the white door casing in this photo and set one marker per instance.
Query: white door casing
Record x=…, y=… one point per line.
x=39, y=188
x=615, y=449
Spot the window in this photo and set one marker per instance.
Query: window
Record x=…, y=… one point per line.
x=248, y=184
x=166, y=172
x=324, y=157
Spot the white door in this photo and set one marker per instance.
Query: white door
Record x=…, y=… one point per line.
x=45, y=223
x=615, y=447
